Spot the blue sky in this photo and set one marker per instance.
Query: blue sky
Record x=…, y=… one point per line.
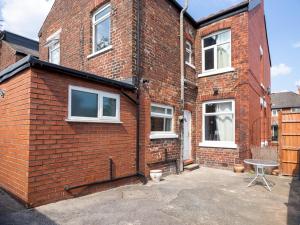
x=282, y=17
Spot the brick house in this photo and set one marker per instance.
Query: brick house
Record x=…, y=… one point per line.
x=78, y=132
x=284, y=102
x=14, y=47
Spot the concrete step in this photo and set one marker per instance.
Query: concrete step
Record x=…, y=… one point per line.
x=192, y=167
x=188, y=162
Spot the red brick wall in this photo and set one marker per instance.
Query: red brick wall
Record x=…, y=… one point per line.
x=259, y=73
x=14, y=130
x=75, y=20
x=7, y=55
x=231, y=86
x=70, y=153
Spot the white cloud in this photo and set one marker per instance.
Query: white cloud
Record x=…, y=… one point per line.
x=280, y=70
x=297, y=45
x=25, y=17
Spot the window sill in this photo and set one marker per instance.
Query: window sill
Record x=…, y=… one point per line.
x=100, y=52
x=190, y=65
x=216, y=72
x=93, y=121
x=217, y=144
x=163, y=136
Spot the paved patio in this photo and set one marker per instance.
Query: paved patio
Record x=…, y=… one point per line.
x=205, y=196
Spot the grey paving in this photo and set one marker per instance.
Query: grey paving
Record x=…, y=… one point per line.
x=204, y=196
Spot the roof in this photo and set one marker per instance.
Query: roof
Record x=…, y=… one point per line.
x=285, y=100
x=33, y=62
x=20, y=44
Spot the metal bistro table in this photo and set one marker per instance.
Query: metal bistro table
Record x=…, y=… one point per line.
x=260, y=166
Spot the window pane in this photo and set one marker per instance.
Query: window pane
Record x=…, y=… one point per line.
x=102, y=13
x=109, y=107
x=223, y=37
x=102, y=34
x=219, y=107
x=54, y=56
x=168, y=125
x=275, y=133
x=157, y=124
x=219, y=128
x=187, y=56
x=156, y=109
x=84, y=104
x=223, y=56
x=169, y=111
x=209, y=41
x=209, y=59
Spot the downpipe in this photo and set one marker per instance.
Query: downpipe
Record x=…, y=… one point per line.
x=182, y=75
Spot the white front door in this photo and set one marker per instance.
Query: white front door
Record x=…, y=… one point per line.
x=187, y=135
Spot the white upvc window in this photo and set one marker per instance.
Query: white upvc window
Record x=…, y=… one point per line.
x=216, y=52
x=89, y=105
x=275, y=112
x=53, y=44
x=162, y=118
x=188, y=53
x=101, y=29
x=295, y=110
x=218, y=124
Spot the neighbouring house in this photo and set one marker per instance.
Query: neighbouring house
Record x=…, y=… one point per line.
x=283, y=102
x=104, y=101
x=14, y=47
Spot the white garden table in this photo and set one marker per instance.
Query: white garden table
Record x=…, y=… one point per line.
x=260, y=166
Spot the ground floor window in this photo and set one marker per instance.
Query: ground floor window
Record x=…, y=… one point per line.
x=219, y=123
x=274, y=132
x=89, y=104
x=162, y=121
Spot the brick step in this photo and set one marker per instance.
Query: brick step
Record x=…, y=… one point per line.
x=192, y=167
x=188, y=162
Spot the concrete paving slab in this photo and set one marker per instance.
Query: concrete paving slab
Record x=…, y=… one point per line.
x=204, y=196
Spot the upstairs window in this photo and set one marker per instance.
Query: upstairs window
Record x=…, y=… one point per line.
x=53, y=44
x=275, y=112
x=101, y=29
x=92, y=105
x=188, y=53
x=216, y=51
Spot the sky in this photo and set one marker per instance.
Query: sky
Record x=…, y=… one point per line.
x=26, y=18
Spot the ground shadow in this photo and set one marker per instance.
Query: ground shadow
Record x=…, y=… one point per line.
x=14, y=213
x=293, y=214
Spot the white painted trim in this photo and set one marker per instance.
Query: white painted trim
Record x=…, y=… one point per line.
x=218, y=144
x=189, y=50
x=100, y=118
x=55, y=35
x=99, y=52
x=92, y=121
x=190, y=65
x=216, y=72
x=163, y=135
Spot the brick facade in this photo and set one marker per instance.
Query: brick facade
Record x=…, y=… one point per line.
x=7, y=55
x=63, y=153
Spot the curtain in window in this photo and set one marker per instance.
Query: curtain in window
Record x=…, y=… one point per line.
x=225, y=123
x=223, y=56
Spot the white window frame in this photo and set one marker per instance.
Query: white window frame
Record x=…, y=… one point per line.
x=100, y=118
x=275, y=112
x=218, y=144
x=51, y=41
x=163, y=134
x=189, y=51
x=215, y=70
x=295, y=110
x=96, y=22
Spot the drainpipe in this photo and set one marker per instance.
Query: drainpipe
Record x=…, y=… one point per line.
x=182, y=73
